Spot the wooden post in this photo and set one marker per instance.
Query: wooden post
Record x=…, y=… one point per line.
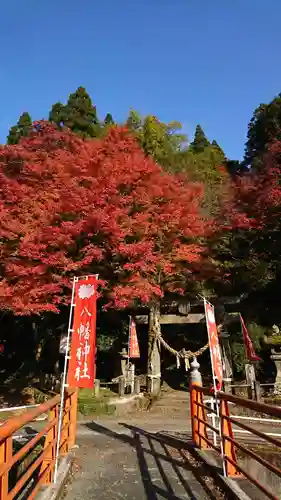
x=6, y=451
x=228, y=447
x=73, y=419
x=154, y=357
x=50, y=444
x=197, y=413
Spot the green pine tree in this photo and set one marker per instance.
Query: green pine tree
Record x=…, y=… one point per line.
x=21, y=129
x=134, y=121
x=13, y=137
x=78, y=114
x=153, y=138
x=217, y=147
x=200, y=141
x=263, y=130
x=160, y=140
x=108, y=121
x=203, y=167
x=57, y=114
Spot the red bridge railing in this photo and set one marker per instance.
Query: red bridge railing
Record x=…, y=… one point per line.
x=228, y=444
x=32, y=465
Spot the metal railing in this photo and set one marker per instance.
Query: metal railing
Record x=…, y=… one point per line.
x=31, y=466
x=228, y=444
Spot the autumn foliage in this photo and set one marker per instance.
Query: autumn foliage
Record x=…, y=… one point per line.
x=246, y=245
x=254, y=200
x=70, y=207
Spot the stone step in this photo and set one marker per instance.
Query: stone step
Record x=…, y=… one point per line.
x=172, y=409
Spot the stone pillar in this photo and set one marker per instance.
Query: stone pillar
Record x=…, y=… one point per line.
x=227, y=384
x=124, y=361
x=258, y=391
x=227, y=368
x=251, y=379
x=131, y=377
x=276, y=357
x=97, y=388
x=137, y=385
x=121, y=387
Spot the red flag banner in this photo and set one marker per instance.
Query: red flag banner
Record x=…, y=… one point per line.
x=250, y=351
x=134, y=351
x=215, y=351
x=81, y=368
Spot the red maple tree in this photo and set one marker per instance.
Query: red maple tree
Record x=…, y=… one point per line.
x=253, y=201
x=70, y=207
x=247, y=243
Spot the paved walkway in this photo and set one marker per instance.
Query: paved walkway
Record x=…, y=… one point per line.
x=137, y=465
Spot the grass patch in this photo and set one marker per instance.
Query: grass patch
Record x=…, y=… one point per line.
x=274, y=340
x=5, y=415
x=274, y=400
x=89, y=404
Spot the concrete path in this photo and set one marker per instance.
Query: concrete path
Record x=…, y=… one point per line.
x=169, y=413
x=137, y=465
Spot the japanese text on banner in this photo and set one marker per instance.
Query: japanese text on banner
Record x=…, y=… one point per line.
x=215, y=351
x=81, y=369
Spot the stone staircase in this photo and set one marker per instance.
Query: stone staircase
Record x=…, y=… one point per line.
x=173, y=403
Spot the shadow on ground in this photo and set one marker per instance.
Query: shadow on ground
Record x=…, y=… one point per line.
x=149, y=466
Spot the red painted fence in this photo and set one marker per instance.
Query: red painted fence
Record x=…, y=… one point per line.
x=32, y=466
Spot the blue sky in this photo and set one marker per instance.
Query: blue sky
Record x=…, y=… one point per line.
x=207, y=62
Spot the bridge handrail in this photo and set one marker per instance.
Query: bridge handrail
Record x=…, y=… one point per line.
x=273, y=411
x=228, y=444
x=38, y=455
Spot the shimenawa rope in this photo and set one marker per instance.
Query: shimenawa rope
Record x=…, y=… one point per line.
x=182, y=354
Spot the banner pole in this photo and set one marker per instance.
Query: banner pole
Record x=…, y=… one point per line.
x=95, y=353
x=129, y=340
x=63, y=382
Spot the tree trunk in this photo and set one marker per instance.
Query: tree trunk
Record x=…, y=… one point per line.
x=154, y=357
